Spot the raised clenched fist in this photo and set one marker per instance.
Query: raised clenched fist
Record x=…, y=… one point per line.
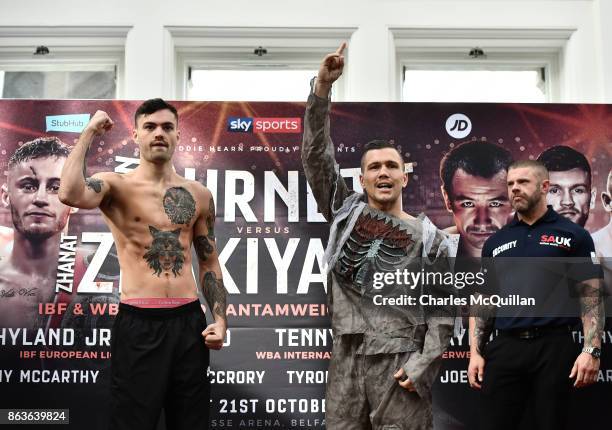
x=100, y=123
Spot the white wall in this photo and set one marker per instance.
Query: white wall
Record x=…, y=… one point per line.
x=604, y=46
x=149, y=66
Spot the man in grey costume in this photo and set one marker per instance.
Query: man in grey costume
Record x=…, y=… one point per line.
x=385, y=357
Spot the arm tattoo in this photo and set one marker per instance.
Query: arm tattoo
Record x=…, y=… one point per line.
x=166, y=252
x=85, y=164
x=215, y=294
x=210, y=220
x=484, y=322
x=94, y=184
x=179, y=205
x=482, y=331
x=593, y=313
x=85, y=161
x=204, y=244
x=203, y=247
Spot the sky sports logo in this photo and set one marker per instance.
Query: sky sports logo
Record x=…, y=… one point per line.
x=264, y=125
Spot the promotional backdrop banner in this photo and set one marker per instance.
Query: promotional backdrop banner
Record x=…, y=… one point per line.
x=57, y=305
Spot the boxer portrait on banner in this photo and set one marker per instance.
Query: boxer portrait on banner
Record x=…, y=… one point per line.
x=473, y=178
x=28, y=272
x=160, y=338
x=384, y=358
x=571, y=193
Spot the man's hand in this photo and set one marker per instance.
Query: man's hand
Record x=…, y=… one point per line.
x=329, y=71
x=100, y=123
x=585, y=370
x=403, y=380
x=476, y=370
x=214, y=335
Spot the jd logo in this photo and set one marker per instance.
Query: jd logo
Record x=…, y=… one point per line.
x=458, y=125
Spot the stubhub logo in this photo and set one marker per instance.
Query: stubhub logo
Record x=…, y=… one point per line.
x=68, y=123
x=264, y=125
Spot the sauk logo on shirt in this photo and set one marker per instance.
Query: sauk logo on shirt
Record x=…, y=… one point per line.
x=68, y=123
x=556, y=241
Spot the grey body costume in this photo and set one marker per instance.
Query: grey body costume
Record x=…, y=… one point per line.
x=372, y=342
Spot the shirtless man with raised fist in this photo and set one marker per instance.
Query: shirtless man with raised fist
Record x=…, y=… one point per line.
x=160, y=340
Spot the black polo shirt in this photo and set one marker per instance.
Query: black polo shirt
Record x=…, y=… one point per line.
x=543, y=261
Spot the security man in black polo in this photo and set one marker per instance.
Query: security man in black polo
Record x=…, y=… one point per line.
x=543, y=265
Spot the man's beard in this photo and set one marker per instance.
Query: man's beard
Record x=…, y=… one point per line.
x=30, y=234
x=576, y=217
x=531, y=202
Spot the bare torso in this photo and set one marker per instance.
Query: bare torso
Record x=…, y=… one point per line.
x=152, y=225
x=20, y=295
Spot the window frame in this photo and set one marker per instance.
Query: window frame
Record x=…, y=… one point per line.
x=231, y=48
x=71, y=49
x=505, y=49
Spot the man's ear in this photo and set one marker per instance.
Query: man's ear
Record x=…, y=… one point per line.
x=4, y=195
x=446, y=198
x=606, y=201
x=593, y=198
x=361, y=181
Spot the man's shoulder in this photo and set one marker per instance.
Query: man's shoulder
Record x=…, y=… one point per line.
x=9, y=276
x=197, y=188
x=600, y=234
x=110, y=176
x=201, y=195
x=114, y=180
x=499, y=236
x=451, y=230
x=603, y=236
x=406, y=217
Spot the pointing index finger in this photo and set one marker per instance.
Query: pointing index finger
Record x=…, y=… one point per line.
x=341, y=48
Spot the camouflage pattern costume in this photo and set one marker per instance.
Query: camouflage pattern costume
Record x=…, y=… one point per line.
x=372, y=342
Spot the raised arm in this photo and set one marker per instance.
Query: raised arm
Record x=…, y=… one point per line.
x=322, y=171
x=76, y=189
x=211, y=280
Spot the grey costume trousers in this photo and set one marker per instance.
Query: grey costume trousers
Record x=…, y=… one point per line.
x=362, y=393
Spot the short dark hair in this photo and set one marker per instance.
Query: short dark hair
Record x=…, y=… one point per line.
x=378, y=144
x=536, y=165
x=561, y=158
x=40, y=147
x=481, y=159
x=153, y=105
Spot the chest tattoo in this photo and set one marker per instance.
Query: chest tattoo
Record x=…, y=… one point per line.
x=179, y=205
x=166, y=252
